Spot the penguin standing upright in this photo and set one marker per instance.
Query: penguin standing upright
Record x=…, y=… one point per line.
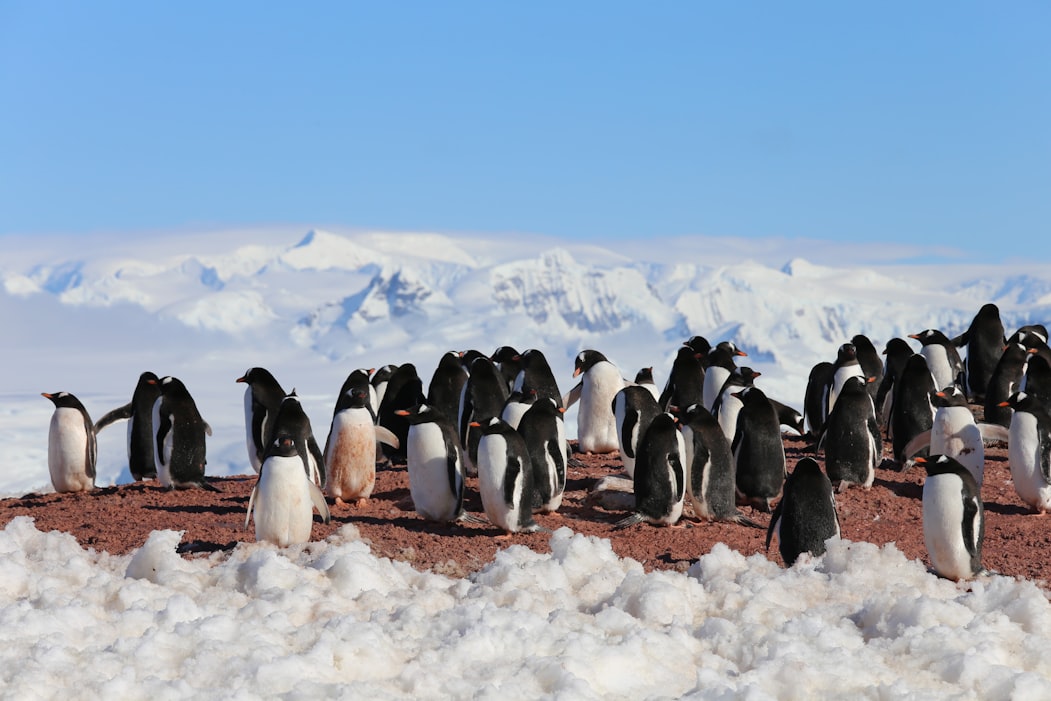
x=139, y=413
x=644, y=378
x=434, y=461
x=404, y=391
x=535, y=375
x=443, y=392
x=720, y=365
x=727, y=406
x=380, y=380
x=852, y=442
x=71, y=447
x=600, y=381
x=350, y=449
x=911, y=412
x=953, y=518
x=984, y=341
x=1029, y=451
x=179, y=437
x=660, y=476
x=483, y=398
x=943, y=360
x=1038, y=380
x=505, y=477
x=543, y=431
x=284, y=497
x=710, y=474
x=360, y=380
x=1005, y=381
x=815, y=401
x=508, y=361
x=633, y=408
x=871, y=365
x=263, y=398
x=296, y=423
x=759, y=453
x=806, y=516
x=898, y=352
x=955, y=434
x=846, y=366
x=685, y=385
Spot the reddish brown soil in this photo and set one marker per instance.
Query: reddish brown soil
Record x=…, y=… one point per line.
x=119, y=519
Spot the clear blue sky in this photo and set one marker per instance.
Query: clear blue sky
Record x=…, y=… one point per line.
x=896, y=121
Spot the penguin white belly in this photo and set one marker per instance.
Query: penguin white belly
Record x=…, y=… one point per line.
x=432, y=495
x=350, y=461
x=729, y=408
x=678, y=487
x=162, y=452
x=253, y=457
x=622, y=413
x=938, y=363
x=955, y=434
x=943, y=527
x=555, y=488
x=838, y=380
x=492, y=472
x=283, y=508
x=513, y=413
x=1024, y=458
x=67, y=451
x=714, y=379
x=596, y=424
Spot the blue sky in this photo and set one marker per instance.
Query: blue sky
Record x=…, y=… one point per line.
x=901, y=122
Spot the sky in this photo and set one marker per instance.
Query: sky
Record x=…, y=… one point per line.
x=593, y=121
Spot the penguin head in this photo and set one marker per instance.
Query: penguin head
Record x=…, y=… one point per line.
x=846, y=353
x=586, y=360
x=897, y=346
x=284, y=446
x=950, y=396
x=644, y=376
x=63, y=400
x=257, y=374
x=505, y=354
x=929, y=336
x=699, y=344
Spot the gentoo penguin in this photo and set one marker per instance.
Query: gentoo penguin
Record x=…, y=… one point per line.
x=350, y=449
x=633, y=409
x=759, y=454
x=508, y=361
x=535, y=375
x=911, y=412
x=359, y=379
x=788, y=416
x=435, y=463
x=179, y=437
x=1029, y=451
x=685, y=385
x=700, y=346
x=720, y=365
x=953, y=518
x=283, y=499
x=443, y=392
x=710, y=474
x=263, y=398
x=544, y=433
x=943, y=359
x=1005, y=381
x=898, y=352
x=482, y=399
x=600, y=381
x=660, y=476
x=871, y=364
x=517, y=404
x=852, y=442
x=815, y=401
x=1038, y=380
x=806, y=516
x=727, y=406
x=505, y=477
x=955, y=433
x=71, y=447
x=846, y=366
x=294, y=421
x=404, y=391
x=644, y=378
x=984, y=340
x=139, y=413
x=379, y=381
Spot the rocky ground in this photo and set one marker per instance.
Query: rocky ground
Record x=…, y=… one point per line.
x=119, y=519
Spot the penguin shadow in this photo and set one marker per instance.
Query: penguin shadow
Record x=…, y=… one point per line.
x=1006, y=509
x=899, y=487
x=416, y=524
x=219, y=510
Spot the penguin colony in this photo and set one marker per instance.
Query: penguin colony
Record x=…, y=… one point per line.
x=711, y=440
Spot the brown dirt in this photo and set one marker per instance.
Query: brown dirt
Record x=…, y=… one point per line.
x=119, y=519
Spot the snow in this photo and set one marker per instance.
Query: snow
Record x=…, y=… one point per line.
x=329, y=618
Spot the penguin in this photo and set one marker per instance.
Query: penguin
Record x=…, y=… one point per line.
x=359, y=379
x=517, y=404
x=1037, y=380
x=911, y=412
x=443, y=392
x=953, y=519
x=350, y=449
x=543, y=431
x=179, y=437
x=1005, y=380
x=71, y=448
x=898, y=352
x=759, y=454
x=483, y=398
x=943, y=359
x=284, y=498
x=434, y=460
x=727, y=406
x=600, y=381
x=379, y=381
x=852, y=442
x=1029, y=451
x=806, y=516
x=984, y=341
x=633, y=409
x=847, y=365
x=644, y=378
x=871, y=365
x=815, y=401
x=660, y=475
x=508, y=361
x=720, y=366
x=685, y=385
x=139, y=413
x=710, y=473
x=505, y=476
x=404, y=391
x=535, y=375
x=263, y=398
x=955, y=433
x=296, y=423
x=788, y=416
x=701, y=346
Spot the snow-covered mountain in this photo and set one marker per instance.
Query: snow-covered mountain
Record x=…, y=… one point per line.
x=87, y=315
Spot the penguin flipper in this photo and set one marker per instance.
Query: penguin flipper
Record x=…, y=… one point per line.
x=775, y=522
x=629, y=521
x=385, y=435
x=118, y=414
x=918, y=443
x=573, y=396
x=318, y=499
x=207, y=428
x=994, y=432
x=251, y=501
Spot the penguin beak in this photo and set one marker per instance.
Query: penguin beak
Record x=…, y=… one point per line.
x=576, y=371
x=920, y=461
x=561, y=410
x=475, y=424
x=741, y=353
x=151, y=382
x=1004, y=404
x=914, y=335
x=239, y=379
x=47, y=395
x=402, y=412
x=939, y=394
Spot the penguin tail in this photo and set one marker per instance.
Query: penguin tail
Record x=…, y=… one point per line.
x=742, y=520
x=629, y=521
x=208, y=486
x=466, y=517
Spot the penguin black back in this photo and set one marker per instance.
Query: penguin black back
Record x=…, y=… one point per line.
x=815, y=401
x=911, y=413
x=685, y=386
x=404, y=391
x=660, y=477
x=535, y=375
x=806, y=516
x=508, y=361
x=985, y=341
x=443, y=392
x=1005, y=380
